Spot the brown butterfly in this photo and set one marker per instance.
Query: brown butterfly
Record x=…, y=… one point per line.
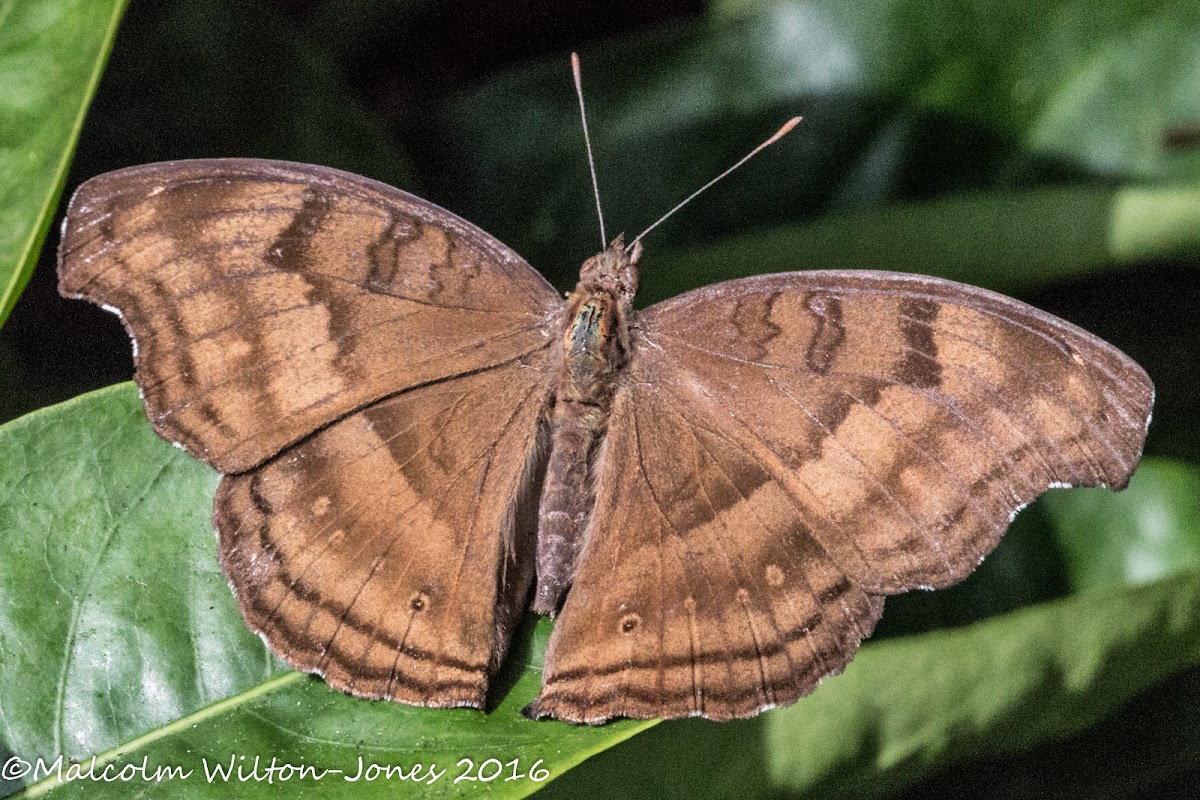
x=714, y=494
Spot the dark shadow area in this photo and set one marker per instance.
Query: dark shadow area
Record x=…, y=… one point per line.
x=1026, y=568
x=1152, y=311
x=520, y=653
x=1147, y=751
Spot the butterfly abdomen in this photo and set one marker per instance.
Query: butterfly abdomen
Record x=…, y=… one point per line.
x=565, y=504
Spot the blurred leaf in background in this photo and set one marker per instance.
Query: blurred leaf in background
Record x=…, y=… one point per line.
x=1040, y=149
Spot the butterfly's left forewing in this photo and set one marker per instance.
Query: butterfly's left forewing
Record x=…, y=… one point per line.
x=784, y=451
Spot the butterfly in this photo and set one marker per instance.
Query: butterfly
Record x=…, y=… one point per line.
x=713, y=495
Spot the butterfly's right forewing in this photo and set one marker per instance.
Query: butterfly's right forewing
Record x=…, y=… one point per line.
x=907, y=417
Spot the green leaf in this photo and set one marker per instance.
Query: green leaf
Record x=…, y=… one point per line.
x=1091, y=82
x=1038, y=674
x=1150, y=530
x=1148, y=224
x=51, y=55
x=1150, y=748
x=120, y=639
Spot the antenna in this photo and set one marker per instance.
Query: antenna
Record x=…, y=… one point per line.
x=787, y=126
x=588, y=142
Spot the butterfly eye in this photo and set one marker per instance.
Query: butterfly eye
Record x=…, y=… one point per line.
x=630, y=622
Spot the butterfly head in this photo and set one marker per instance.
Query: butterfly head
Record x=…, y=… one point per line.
x=613, y=270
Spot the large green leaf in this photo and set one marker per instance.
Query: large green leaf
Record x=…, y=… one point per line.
x=51, y=55
x=119, y=638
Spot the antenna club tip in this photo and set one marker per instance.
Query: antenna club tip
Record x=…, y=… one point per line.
x=574, y=60
x=787, y=127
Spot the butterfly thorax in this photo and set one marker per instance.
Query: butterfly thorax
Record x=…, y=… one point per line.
x=593, y=350
x=596, y=339
x=595, y=346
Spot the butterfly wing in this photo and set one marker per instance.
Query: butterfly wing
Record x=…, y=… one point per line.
x=384, y=552
x=699, y=591
x=369, y=371
x=788, y=449
x=267, y=299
